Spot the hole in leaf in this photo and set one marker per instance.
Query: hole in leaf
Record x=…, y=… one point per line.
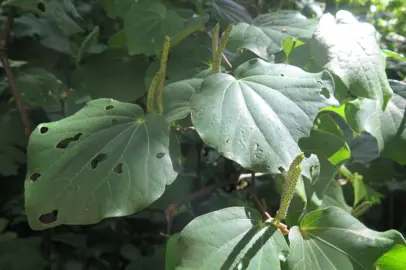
x=282, y=75
x=41, y=6
x=97, y=160
x=49, y=217
x=319, y=82
x=34, y=176
x=109, y=107
x=65, y=142
x=307, y=155
x=281, y=169
x=325, y=93
x=118, y=168
x=43, y=130
x=160, y=155
x=114, y=121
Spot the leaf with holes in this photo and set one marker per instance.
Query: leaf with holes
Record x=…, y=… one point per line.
x=257, y=117
x=40, y=88
x=333, y=239
x=251, y=244
x=349, y=49
x=107, y=160
x=388, y=127
x=265, y=35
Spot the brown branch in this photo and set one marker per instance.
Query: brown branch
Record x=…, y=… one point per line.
x=9, y=73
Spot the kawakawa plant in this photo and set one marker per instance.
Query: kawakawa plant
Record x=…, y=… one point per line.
x=273, y=114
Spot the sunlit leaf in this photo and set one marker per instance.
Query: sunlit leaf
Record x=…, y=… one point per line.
x=107, y=160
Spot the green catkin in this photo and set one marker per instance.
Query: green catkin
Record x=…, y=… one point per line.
x=223, y=45
x=291, y=179
x=162, y=75
x=151, y=94
x=215, y=39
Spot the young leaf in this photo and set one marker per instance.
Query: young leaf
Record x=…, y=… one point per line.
x=349, y=49
x=395, y=259
x=246, y=117
x=265, y=35
x=333, y=239
x=231, y=238
x=107, y=160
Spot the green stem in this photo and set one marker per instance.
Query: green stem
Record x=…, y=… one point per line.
x=220, y=49
x=346, y=172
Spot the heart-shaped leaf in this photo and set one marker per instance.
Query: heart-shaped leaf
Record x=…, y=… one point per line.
x=349, y=49
x=107, y=160
x=176, y=98
x=230, y=12
x=265, y=35
x=246, y=117
x=387, y=127
x=146, y=23
x=208, y=243
x=333, y=239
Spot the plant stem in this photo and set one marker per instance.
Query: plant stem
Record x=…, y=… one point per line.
x=10, y=76
x=346, y=172
x=162, y=75
x=219, y=51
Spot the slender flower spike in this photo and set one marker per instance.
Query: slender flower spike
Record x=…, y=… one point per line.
x=291, y=179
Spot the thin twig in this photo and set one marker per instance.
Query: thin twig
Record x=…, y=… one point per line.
x=10, y=76
x=282, y=227
x=199, y=147
x=170, y=211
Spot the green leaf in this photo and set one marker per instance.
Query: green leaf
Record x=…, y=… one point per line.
x=40, y=88
x=88, y=44
x=387, y=127
x=208, y=242
x=172, y=255
x=11, y=142
x=190, y=59
x=265, y=35
x=394, y=259
x=111, y=74
x=333, y=239
x=349, y=49
x=55, y=11
x=229, y=12
x=116, y=8
x=395, y=55
x=326, y=140
x=12, y=251
x=107, y=160
x=49, y=34
x=176, y=98
x=334, y=196
x=246, y=118
x=145, y=25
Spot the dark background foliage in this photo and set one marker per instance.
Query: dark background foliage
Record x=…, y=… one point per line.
x=64, y=53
